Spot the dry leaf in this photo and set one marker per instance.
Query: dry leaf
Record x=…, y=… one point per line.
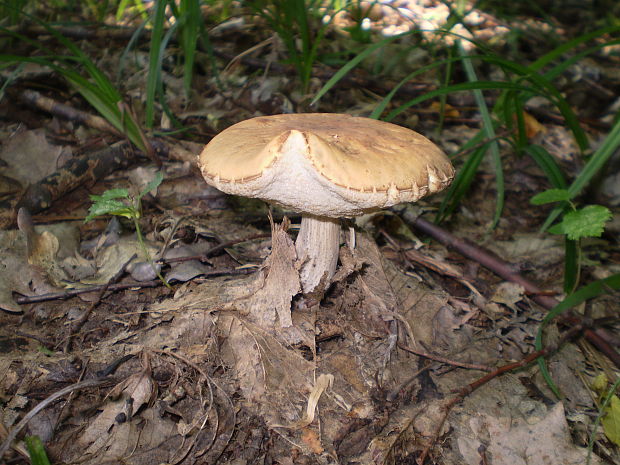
x=547, y=442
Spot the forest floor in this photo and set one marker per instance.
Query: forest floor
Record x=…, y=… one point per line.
x=421, y=350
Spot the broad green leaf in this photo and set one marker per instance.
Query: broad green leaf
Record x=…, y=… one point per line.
x=549, y=196
x=111, y=194
x=154, y=184
x=588, y=221
x=110, y=207
x=611, y=420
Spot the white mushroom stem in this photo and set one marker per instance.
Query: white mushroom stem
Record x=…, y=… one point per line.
x=317, y=248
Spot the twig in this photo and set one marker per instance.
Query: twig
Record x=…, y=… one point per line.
x=447, y=361
x=486, y=259
x=119, y=287
x=43, y=404
x=77, y=324
x=67, y=112
x=214, y=250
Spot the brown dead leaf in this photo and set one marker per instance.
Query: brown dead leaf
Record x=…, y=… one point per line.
x=273, y=378
x=30, y=157
x=271, y=292
x=128, y=397
x=312, y=440
x=16, y=275
x=509, y=294
x=513, y=442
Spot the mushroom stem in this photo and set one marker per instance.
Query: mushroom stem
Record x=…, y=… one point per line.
x=317, y=248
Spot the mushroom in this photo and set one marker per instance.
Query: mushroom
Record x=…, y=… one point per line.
x=325, y=166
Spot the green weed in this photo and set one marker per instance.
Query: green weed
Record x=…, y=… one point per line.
x=189, y=28
x=97, y=89
x=118, y=202
x=298, y=23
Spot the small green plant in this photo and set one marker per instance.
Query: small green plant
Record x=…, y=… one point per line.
x=119, y=202
x=576, y=223
x=298, y=24
x=36, y=451
x=190, y=31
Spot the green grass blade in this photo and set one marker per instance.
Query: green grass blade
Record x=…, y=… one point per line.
x=592, y=290
x=120, y=11
x=592, y=167
x=462, y=181
x=352, y=64
x=155, y=60
x=133, y=41
x=479, y=85
x=548, y=165
x=189, y=31
x=93, y=94
x=557, y=53
x=542, y=86
x=489, y=131
x=36, y=451
x=380, y=108
x=561, y=67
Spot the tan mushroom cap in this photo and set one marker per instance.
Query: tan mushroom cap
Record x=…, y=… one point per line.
x=325, y=164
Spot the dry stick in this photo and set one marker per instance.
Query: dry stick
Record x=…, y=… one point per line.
x=439, y=358
x=77, y=325
x=486, y=259
x=24, y=421
x=119, y=287
x=66, y=112
x=218, y=248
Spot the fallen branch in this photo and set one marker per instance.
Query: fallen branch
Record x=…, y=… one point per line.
x=23, y=300
x=75, y=173
x=67, y=112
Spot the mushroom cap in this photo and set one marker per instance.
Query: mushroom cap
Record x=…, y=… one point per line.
x=325, y=164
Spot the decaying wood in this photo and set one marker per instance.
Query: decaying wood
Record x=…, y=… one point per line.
x=67, y=112
x=76, y=172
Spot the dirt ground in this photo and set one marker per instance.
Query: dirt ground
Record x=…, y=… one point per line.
x=416, y=351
